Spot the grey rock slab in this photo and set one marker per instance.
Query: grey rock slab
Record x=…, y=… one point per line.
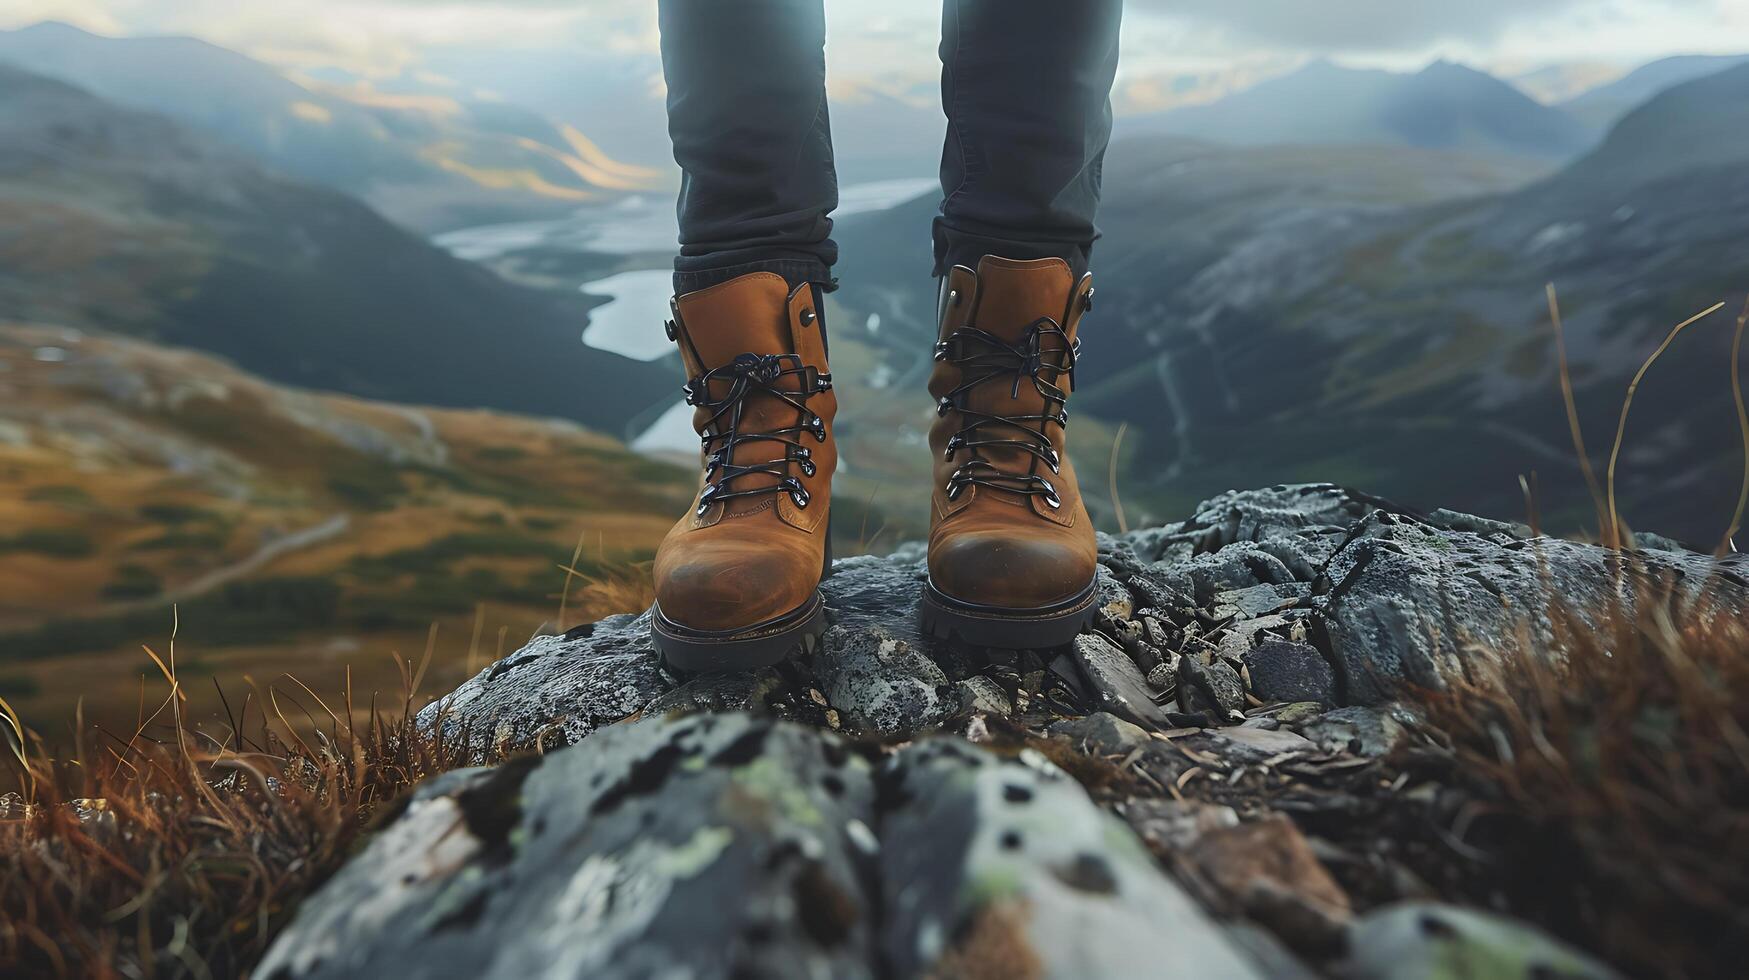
x=1213, y=687
x=1150, y=544
x=1113, y=596
x=1284, y=671
x=1357, y=729
x=1239, y=637
x=982, y=694
x=1431, y=941
x=1102, y=733
x=864, y=592
x=560, y=687
x=1241, y=565
x=717, y=846
x=1300, y=525
x=979, y=844
x=697, y=847
x=882, y=684
x=1159, y=587
x=1647, y=541
x=1452, y=520
x=1413, y=603
x=1259, y=600
x=718, y=692
x=1274, y=512
x=1117, y=683
x=1132, y=637
x=1258, y=743
x=1298, y=713
x=1164, y=678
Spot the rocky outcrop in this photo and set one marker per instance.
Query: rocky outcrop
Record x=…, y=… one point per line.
x=1259, y=584
x=721, y=845
x=896, y=806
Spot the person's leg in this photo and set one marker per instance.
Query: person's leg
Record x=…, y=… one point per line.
x=737, y=577
x=1026, y=85
x=747, y=116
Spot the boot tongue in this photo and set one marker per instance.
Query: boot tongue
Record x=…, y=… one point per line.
x=1014, y=294
x=748, y=315
x=743, y=318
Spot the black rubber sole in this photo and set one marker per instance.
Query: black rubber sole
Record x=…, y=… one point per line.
x=688, y=651
x=946, y=618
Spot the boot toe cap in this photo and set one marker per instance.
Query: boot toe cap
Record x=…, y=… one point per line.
x=1009, y=571
x=726, y=589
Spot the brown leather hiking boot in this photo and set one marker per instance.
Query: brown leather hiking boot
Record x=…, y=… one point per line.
x=1011, y=551
x=737, y=578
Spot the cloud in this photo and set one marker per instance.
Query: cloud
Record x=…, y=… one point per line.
x=92, y=15
x=1377, y=25
x=367, y=37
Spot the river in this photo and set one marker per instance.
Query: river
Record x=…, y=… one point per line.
x=642, y=229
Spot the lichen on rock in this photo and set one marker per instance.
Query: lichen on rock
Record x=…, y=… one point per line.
x=1242, y=668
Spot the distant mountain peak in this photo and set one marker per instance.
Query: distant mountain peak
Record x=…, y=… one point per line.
x=1455, y=69
x=1658, y=140
x=52, y=27
x=1445, y=105
x=1605, y=105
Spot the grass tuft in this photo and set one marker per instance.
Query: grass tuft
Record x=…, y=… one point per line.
x=1729, y=542
x=178, y=851
x=1610, y=789
x=1615, y=538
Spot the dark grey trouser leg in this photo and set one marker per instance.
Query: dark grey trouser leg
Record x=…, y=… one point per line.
x=1027, y=89
x=747, y=115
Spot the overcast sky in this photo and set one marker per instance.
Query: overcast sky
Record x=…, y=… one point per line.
x=889, y=43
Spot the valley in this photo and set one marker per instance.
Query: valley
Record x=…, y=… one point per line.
x=298, y=380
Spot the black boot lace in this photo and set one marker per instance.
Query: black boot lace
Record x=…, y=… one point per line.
x=782, y=376
x=984, y=357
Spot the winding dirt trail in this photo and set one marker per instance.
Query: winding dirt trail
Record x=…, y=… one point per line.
x=202, y=584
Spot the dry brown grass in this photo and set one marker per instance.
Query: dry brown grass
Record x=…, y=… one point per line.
x=174, y=851
x=1610, y=790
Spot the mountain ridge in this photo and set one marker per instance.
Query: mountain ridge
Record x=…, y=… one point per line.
x=125, y=221
x=1280, y=311
x=1445, y=106
x=433, y=168
x=1606, y=104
